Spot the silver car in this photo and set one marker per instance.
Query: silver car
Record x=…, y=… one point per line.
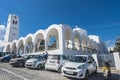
x=80, y=67
x=37, y=62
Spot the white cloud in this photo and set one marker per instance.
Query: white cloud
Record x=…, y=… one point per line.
x=2, y=32
x=110, y=43
x=94, y=38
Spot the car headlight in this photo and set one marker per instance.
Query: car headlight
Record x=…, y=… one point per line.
x=81, y=67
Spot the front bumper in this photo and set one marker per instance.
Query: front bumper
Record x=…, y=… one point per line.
x=30, y=65
x=13, y=63
x=78, y=73
x=52, y=66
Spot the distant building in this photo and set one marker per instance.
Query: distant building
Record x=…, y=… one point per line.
x=12, y=29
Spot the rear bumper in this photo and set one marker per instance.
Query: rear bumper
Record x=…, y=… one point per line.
x=52, y=67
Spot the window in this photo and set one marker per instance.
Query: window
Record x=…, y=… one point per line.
x=79, y=59
x=15, y=22
x=90, y=59
x=56, y=57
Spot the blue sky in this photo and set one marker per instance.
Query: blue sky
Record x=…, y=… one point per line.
x=99, y=17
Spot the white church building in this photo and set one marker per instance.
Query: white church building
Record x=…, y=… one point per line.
x=57, y=38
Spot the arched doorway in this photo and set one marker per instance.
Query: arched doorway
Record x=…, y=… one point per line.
x=39, y=41
x=29, y=44
x=52, y=39
x=14, y=47
x=21, y=46
x=77, y=40
x=68, y=38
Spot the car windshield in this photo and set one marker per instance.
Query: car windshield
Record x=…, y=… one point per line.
x=28, y=56
x=37, y=57
x=56, y=57
x=79, y=59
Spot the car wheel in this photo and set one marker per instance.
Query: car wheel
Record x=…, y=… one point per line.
x=86, y=75
x=59, y=70
x=95, y=70
x=39, y=66
x=20, y=64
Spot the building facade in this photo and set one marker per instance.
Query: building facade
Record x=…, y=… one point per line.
x=12, y=29
x=59, y=39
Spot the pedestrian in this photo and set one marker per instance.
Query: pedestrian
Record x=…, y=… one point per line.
x=107, y=70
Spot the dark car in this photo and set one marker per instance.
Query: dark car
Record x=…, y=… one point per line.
x=5, y=58
x=20, y=62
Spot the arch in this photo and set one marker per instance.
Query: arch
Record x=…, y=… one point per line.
x=83, y=38
x=84, y=43
x=14, y=47
x=68, y=37
x=38, y=39
x=77, y=39
x=28, y=47
x=92, y=45
x=52, y=37
x=20, y=45
x=88, y=44
x=7, y=48
x=81, y=31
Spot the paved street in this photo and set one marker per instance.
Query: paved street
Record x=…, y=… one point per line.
x=12, y=73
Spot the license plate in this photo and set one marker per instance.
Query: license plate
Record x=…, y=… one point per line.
x=69, y=72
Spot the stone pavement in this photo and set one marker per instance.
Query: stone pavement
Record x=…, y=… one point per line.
x=13, y=73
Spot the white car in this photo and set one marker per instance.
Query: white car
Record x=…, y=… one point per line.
x=55, y=62
x=80, y=67
x=37, y=62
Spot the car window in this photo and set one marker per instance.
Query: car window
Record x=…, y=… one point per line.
x=79, y=59
x=28, y=56
x=64, y=57
x=37, y=57
x=56, y=57
x=90, y=59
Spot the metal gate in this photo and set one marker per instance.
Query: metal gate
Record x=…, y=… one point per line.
x=106, y=57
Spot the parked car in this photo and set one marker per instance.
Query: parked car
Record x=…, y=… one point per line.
x=36, y=62
x=5, y=58
x=80, y=66
x=20, y=61
x=55, y=62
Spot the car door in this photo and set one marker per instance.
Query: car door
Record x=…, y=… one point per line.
x=42, y=61
x=93, y=64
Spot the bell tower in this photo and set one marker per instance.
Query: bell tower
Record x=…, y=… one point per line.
x=12, y=29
